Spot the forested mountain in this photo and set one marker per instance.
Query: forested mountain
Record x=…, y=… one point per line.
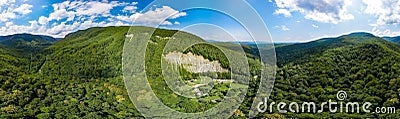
x=365, y=66
x=91, y=53
x=303, y=52
x=393, y=39
x=19, y=52
x=80, y=76
x=26, y=42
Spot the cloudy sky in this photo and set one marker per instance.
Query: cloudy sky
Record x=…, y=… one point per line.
x=286, y=20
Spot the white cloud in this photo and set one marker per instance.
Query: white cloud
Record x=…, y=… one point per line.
x=23, y=9
x=326, y=11
x=166, y=23
x=43, y=20
x=158, y=15
x=86, y=24
x=95, y=8
x=315, y=26
x=64, y=13
x=6, y=2
x=284, y=12
x=59, y=14
x=118, y=23
x=385, y=32
x=129, y=8
x=387, y=11
x=6, y=16
x=13, y=9
x=282, y=27
x=79, y=9
x=130, y=18
x=70, y=16
x=9, y=24
x=62, y=29
x=11, y=28
x=153, y=17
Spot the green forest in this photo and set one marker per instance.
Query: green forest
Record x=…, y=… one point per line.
x=80, y=76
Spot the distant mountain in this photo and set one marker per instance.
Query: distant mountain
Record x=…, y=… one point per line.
x=26, y=42
x=393, y=39
x=302, y=52
x=360, y=63
x=213, y=41
x=28, y=37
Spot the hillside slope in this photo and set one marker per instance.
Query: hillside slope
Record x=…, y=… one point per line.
x=20, y=53
x=27, y=43
x=365, y=66
x=82, y=74
x=91, y=53
x=11, y=64
x=303, y=52
x=78, y=74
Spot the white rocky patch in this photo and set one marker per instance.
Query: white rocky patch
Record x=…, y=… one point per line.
x=194, y=63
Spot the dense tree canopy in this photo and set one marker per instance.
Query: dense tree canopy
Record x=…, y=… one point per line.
x=80, y=76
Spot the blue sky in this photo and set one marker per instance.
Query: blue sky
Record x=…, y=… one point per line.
x=286, y=20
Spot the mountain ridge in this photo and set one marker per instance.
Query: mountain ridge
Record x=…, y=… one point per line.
x=45, y=37
x=27, y=43
x=303, y=51
x=395, y=39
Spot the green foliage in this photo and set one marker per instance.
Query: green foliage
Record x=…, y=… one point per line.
x=80, y=76
x=303, y=52
x=93, y=53
x=367, y=69
x=154, y=53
